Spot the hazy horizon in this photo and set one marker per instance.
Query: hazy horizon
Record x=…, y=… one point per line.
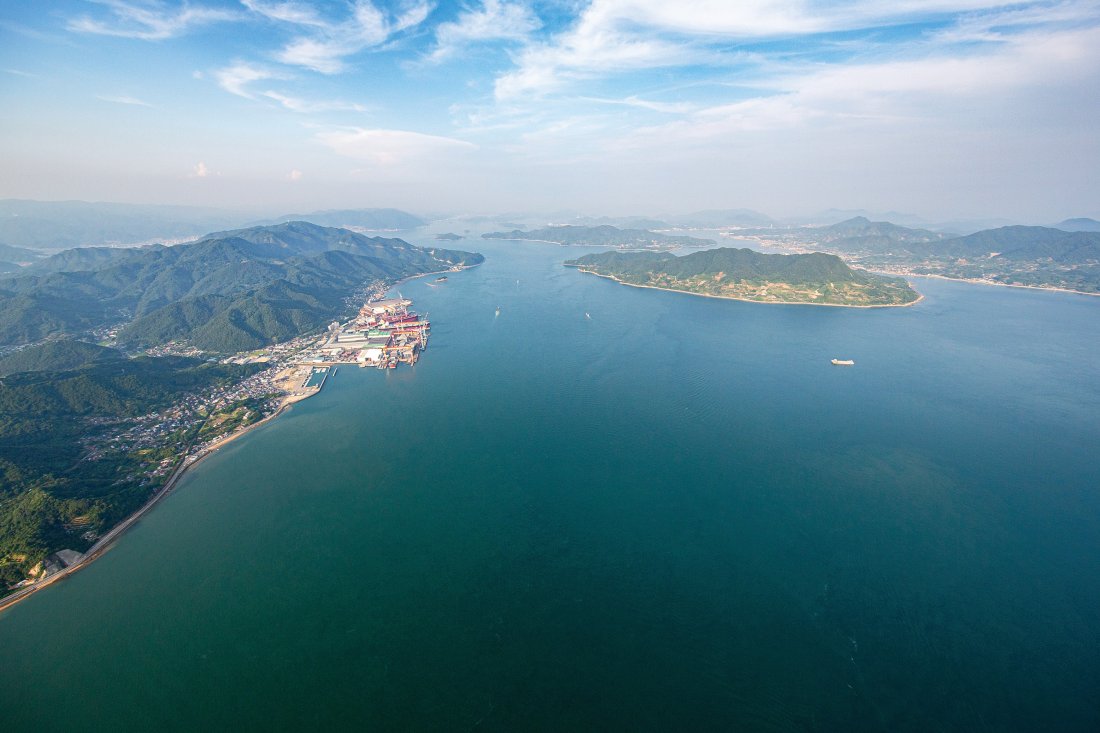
x=951, y=109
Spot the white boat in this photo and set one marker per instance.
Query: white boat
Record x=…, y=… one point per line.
x=843, y=362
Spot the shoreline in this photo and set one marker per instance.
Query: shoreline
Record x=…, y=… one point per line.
x=903, y=271
x=920, y=296
x=108, y=540
x=104, y=543
x=974, y=281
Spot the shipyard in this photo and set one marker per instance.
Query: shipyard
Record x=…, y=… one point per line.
x=385, y=333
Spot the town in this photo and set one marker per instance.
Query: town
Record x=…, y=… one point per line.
x=383, y=334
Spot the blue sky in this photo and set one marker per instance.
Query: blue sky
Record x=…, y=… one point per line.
x=943, y=108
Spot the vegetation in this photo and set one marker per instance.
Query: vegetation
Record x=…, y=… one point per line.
x=68, y=471
x=229, y=292
x=602, y=236
x=1011, y=255
x=237, y=415
x=53, y=493
x=62, y=355
x=750, y=275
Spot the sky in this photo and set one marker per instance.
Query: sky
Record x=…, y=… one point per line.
x=938, y=108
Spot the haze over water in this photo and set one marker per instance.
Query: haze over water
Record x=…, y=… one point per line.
x=673, y=515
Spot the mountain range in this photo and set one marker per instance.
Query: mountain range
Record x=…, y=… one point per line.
x=227, y=292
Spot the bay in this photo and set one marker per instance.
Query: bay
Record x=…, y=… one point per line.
x=674, y=514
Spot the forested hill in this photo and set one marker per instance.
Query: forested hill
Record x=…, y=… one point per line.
x=749, y=275
x=60, y=355
x=50, y=494
x=227, y=292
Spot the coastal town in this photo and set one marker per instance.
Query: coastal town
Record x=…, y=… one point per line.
x=161, y=445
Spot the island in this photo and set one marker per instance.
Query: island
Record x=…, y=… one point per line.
x=744, y=274
x=602, y=236
x=449, y=237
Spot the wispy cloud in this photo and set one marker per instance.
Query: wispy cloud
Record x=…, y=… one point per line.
x=236, y=78
x=20, y=72
x=653, y=106
x=324, y=44
x=390, y=147
x=610, y=37
x=959, y=89
x=493, y=20
x=150, y=21
x=123, y=99
x=306, y=106
x=239, y=77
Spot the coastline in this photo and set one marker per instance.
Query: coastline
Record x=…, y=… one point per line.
x=104, y=543
x=920, y=296
x=975, y=281
x=908, y=272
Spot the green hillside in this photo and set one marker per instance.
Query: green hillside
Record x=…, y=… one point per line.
x=55, y=356
x=49, y=496
x=749, y=275
x=263, y=283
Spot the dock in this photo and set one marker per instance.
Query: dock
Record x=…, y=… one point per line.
x=385, y=333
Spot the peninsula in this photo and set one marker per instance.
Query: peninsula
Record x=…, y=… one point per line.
x=744, y=274
x=120, y=368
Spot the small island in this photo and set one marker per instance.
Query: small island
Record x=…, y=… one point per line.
x=602, y=236
x=744, y=274
x=449, y=237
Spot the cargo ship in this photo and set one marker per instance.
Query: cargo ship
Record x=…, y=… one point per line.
x=843, y=362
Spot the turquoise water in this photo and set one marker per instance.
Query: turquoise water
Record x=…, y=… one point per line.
x=673, y=515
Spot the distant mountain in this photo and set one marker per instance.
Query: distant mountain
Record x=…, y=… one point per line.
x=373, y=219
x=1020, y=243
x=860, y=234
x=624, y=222
x=57, y=356
x=833, y=216
x=227, y=292
x=57, y=225
x=83, y=258
x=601, y=236
x=1079, y=225
x=746, y=274
x=18, y=255
x=716, y=218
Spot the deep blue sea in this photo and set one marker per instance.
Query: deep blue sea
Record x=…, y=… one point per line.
x=672, y=515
